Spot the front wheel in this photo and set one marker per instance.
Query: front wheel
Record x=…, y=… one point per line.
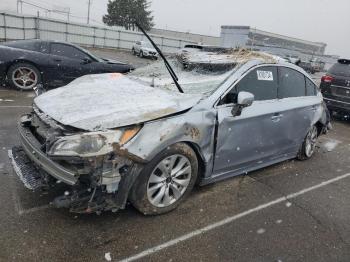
x=308, y=147
x=166, y=181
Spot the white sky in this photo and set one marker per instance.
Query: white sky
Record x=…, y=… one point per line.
x=315, y=20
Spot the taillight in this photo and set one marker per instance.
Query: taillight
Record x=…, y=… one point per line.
x=327, y=79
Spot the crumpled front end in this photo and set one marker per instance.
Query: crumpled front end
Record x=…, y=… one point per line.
x=93, y=172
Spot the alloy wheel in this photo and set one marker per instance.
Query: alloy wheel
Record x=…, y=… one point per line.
x=169, y=180
x=24, y=78
x=310, y=142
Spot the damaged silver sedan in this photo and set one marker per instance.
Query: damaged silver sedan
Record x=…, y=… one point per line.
x=113, y=138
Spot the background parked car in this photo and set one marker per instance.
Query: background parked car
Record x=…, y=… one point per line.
x=30, y=62
x=144, y=49
x=335, y=87
x=307, y=66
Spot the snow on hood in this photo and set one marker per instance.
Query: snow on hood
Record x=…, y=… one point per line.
x=99, y=102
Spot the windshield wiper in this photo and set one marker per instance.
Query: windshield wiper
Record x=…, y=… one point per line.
x=167, y=65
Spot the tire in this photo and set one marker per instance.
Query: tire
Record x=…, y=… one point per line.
x=156, y=192
x=133, y=51
x=141, y=54
x=23, y=76
x=309, y=144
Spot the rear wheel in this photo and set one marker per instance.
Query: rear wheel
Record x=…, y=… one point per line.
x=166, y=181
x=308, y=147
x=23, y=76
x=133, y=51
x=141, y=54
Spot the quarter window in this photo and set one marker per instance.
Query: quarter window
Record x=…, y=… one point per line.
x=67, y=51
x=310, y=88
x=261, y=82
x=291, y=83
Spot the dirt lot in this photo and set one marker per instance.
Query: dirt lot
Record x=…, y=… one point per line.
x=293, y=211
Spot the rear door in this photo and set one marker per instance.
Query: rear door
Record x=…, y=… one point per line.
x=299, y=103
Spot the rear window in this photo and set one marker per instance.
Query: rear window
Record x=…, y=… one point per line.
x=27, y=45
x=340, y=69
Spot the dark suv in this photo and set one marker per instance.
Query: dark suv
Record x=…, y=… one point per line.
x=335, y=87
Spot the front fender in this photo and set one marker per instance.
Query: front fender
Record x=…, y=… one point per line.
x=193, y=127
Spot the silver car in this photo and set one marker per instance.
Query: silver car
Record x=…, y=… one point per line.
x=112, y=138
x=144, y=49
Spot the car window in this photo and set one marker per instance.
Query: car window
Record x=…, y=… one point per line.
x=25, y=44
x=67, y=51
x=261, y=82
x=311, y=89
x=291, y=83
x=340, y=69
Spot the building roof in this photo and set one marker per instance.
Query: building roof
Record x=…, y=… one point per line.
x=269, y=34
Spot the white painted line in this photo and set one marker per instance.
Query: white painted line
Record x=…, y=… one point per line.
x=228, y=220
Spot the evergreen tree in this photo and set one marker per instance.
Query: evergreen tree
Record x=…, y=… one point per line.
x=125, y=12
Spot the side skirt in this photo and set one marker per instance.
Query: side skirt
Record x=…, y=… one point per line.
x=237, y=172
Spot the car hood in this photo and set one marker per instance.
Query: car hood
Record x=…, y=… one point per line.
x=104, y=101
x=148, y=49
x=111, y=61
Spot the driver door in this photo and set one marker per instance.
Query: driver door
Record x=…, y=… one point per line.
x=253, y=137
x=66, y=63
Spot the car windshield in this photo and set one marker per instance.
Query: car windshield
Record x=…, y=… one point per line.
x=198, y=72
x=92, y=55
x=147, y=44
x=194, y=80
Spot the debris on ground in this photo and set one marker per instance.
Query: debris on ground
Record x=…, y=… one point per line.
x=108, y=256
x=330, y=145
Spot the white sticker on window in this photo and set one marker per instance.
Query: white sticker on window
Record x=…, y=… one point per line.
x=265, y=75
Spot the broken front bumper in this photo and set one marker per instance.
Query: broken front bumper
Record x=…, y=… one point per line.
x=23, y=165
x=35, y=169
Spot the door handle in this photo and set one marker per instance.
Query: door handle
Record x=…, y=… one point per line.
x=57, y=60
x=276, y=117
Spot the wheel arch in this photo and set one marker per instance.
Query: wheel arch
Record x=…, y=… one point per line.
x=23, y=60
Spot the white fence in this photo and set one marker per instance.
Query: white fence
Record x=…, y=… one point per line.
x=17, y=27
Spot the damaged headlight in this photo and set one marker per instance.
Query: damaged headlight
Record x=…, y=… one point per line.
x=92, y=144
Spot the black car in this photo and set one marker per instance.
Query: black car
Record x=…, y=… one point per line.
x=26, y=63
x=335, y=87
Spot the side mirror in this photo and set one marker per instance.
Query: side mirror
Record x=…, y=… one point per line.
x=244, y=99
x=87, y=60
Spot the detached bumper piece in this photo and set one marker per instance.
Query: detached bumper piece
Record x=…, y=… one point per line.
x=25, y=169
